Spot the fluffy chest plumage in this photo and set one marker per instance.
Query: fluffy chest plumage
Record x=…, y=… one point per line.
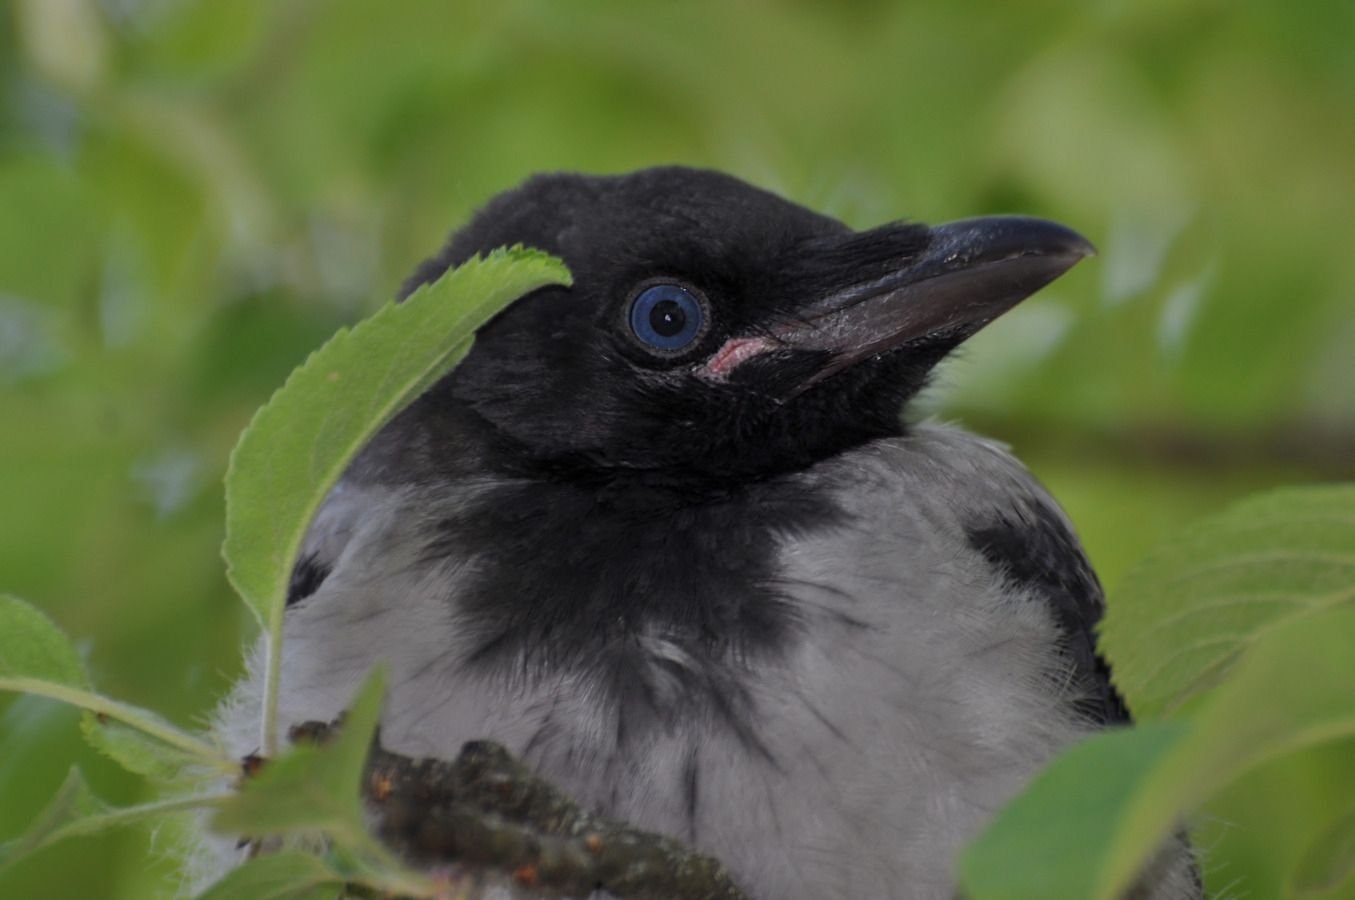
x=827, y=688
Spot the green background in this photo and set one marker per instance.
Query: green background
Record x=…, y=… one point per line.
x=195, y=194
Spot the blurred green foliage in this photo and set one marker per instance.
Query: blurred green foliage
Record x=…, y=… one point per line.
x=194, y=194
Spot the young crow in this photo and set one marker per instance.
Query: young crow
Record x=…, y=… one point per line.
x=668, y=535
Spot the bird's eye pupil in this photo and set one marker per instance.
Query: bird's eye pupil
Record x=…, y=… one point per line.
x=667, y=318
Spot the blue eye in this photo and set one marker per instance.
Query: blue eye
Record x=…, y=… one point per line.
x=667, y=318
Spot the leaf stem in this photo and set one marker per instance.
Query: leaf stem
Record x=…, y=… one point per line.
x=268, y=723
x=127, y=714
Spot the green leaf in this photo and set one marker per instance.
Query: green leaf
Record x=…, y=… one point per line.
x=299, y=443
x=1181, y=618
x=74, y=811
x=1294, y=688
x=309, y=791
x=32, y=647
x=285, y=875
x=73, y=802
x=299, y=875
x=138, y=752
x=1328, y=866
x=36, y=658
x=1032, y=849
x=311, y=788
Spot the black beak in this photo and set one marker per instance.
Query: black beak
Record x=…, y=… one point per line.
x=970, y=273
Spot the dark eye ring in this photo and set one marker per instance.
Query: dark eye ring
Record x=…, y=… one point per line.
x=667, y=318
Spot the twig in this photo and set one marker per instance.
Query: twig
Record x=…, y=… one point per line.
x=486, y=809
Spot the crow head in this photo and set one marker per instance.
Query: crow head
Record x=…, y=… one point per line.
x=717, y=331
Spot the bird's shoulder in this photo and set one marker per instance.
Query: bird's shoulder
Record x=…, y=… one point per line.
x=965, y=490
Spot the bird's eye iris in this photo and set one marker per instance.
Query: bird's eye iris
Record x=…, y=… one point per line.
x=667, y=317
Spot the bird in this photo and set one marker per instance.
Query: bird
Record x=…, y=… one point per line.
x=672, y=535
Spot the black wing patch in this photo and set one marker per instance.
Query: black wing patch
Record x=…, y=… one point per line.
x=1036, y=549
x=307, y=576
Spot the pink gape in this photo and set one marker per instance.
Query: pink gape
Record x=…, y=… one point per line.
x=734, y=352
